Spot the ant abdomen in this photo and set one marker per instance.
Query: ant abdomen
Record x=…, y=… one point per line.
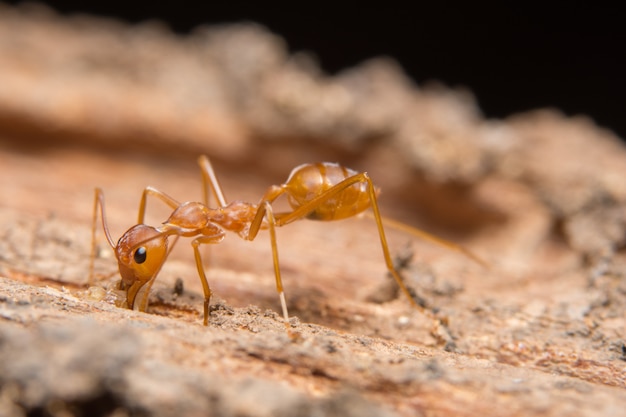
x=308, y=181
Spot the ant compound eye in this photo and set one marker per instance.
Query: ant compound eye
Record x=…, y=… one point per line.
x=140, y=255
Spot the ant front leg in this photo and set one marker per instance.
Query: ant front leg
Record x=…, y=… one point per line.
x=151, y=191
x=217, y=237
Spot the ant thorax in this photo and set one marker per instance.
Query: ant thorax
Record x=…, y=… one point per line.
x=193, y=218
x=235, y=217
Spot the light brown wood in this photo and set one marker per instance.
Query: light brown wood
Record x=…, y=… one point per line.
x=540, y=196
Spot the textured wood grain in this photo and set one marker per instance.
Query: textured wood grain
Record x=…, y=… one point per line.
x=88, y=103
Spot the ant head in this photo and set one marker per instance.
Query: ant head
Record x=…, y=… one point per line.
x=140, y=254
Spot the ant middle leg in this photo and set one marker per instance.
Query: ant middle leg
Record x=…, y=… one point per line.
x=269, y=212
x=266, y=212
x=210, y=182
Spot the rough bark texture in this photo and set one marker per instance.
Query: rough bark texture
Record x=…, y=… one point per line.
x=542, y=197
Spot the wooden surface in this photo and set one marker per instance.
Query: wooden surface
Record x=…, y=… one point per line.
x=541, y=197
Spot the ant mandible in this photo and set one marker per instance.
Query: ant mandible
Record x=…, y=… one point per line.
x=321, y=191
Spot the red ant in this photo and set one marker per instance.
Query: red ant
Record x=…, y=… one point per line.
x=322, y=191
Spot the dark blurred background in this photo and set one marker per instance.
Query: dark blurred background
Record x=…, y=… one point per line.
x=514, y=56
